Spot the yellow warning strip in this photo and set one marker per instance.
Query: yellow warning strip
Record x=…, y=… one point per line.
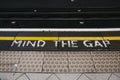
x=90, y=38
x=36, y=38
x=80, y=38
x=59, y=38
x=28, y=38
x=7, y=38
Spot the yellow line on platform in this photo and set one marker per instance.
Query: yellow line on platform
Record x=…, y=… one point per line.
x=90, y=38
x=36, y=38
x=28, y=38
x=7, y=38
x=59, y=38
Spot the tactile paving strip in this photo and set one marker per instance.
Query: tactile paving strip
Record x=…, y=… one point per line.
x=31, y=62
x=55, y=62
x=60, y=61
x=106, y=61
x=9, y=60
x=80, y=62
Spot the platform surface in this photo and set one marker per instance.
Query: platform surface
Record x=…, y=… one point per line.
x=60, y=61
x=62, y=76
x=98, y=58
x=60, y=41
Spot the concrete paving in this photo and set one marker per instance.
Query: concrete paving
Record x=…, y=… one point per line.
x=60, y=61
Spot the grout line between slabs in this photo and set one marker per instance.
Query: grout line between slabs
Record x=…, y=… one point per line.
x=68, y=61
x=93, y=61
x=43, y=62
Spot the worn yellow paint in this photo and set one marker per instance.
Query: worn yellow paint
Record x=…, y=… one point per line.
x=7, y=38
x=36, y=38
x=58, y=38
x=90, y=38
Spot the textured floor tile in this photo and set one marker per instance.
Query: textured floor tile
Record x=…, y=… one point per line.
x=9, y=60
x=80, y=62
x=60, y=61
x=106, y=61
x=118, y=56
x=31, y=62
x=55, y=62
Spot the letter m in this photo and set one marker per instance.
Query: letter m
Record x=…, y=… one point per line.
x=18, y=43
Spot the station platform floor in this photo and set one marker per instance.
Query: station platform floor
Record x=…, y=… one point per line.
x=80, y=56
x=60, y=61
x=60, y=76
x=65, y=65
x=60, y=41
x=60, y=65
